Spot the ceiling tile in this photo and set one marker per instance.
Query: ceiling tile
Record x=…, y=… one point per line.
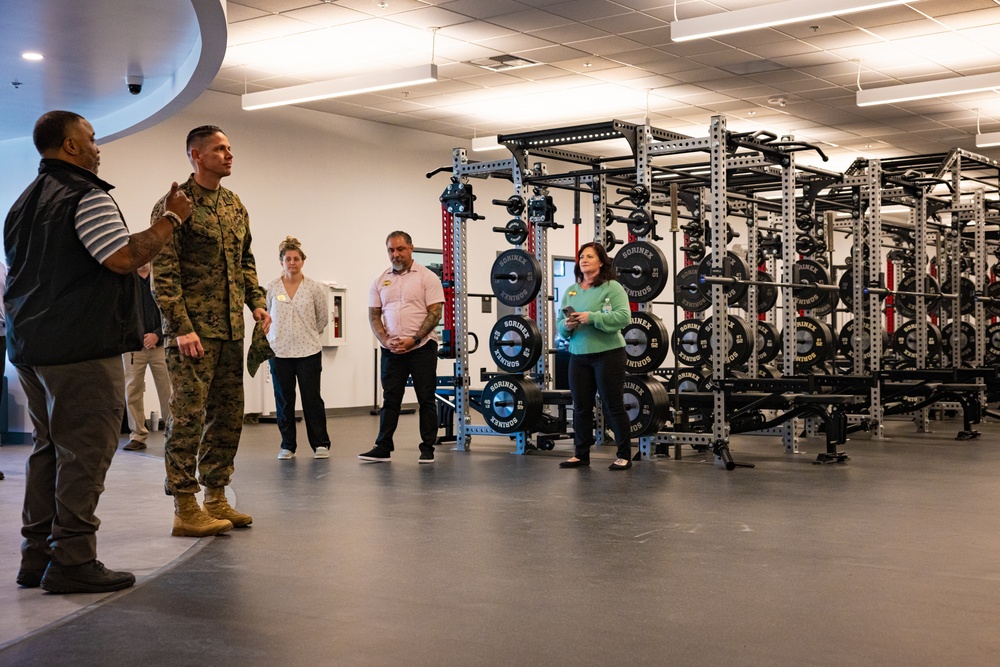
x=482, y=9
x=326, y=15
x=587, y=10
x=566, y=34
x=532, y=20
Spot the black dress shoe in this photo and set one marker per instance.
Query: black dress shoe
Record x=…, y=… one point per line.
x=575, y=464
x=620, y=466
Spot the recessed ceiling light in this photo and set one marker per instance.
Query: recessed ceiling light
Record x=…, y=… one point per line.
x=588, y=64
x=751, y=113
x=31, y=55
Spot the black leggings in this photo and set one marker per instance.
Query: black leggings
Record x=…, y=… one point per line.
x=602, y=372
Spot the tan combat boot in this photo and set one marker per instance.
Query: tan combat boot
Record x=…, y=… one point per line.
x=190, y=521
x=218, y=507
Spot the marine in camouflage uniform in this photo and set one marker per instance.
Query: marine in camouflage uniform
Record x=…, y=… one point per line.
x=202, y=279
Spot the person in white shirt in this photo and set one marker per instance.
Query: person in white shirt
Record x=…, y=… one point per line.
x=297, y=306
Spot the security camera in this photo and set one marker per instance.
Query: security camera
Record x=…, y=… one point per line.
x=134, y=83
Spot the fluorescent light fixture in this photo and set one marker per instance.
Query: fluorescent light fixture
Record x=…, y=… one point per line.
x=486, y=144
x=32, y=55
x=924, y=89
x=987, y=139
x=778, y=13
x=352, y=85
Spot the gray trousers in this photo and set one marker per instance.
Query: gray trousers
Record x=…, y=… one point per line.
x=76, y=411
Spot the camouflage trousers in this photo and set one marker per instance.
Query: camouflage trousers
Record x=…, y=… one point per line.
x=206, y=416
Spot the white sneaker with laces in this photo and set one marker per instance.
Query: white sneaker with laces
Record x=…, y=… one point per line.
x=286, y=454
x=322, y=453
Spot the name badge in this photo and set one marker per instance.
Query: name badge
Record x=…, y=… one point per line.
x=386, y=283
x=281, y=297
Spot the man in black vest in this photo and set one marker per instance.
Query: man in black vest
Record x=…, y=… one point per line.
x=73, y=308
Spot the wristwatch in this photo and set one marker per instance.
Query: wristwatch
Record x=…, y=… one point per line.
x=416, y=340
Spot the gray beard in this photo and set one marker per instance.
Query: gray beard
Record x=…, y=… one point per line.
x=397, y=266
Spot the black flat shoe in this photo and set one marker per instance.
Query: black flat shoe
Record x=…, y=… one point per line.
x=574, y=464
x=617, y=465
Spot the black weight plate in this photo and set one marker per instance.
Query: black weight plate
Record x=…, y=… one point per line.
x=515, y=344
x=642, y=270
x=646, y=343
x=515, y=277
x=517, y=232
x=814, y=342
x=904, y=341
x=966, y=296
x=688, y=290
x=739, y=341
x=685, y=343
x=511, y=403
x=733, y=266
x=993, y=292
x=646, y=403
x=966, y=336
x=689, y=379
x=846, y=285
x=906, y=302
x=827, y=305
x=993, y=340
x=846, y=342
x=811, y=272
x=767, y=295
x=768, y=342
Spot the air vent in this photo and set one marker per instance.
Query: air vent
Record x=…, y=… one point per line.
x=503, y=63
x=752, y=67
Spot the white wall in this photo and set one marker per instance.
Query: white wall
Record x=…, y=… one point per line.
x=338, y=184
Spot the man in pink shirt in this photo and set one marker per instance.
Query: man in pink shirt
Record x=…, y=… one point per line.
x=404, y=307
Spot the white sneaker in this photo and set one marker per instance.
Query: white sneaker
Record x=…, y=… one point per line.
x=286, y=454
x=322, y=453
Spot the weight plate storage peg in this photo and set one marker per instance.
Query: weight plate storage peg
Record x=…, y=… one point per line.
x=688, y=291
x=813, y=341
x=738, y=341
x=515, y=344
x=904, y=340
x=516, y=277
x=685, y=343
x=733, y=266
x=646, y=343
x=647, y=403
x=511, y=404
x=642, y=270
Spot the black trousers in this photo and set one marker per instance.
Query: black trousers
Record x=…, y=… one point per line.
x=604, y=373
x=308, y=371
x=421, y=365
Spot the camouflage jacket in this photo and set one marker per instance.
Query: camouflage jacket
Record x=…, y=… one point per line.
x=206, y=273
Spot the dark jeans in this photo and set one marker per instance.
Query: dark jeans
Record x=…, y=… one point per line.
x=421, y=365
x=602, y=372
x=307, y=370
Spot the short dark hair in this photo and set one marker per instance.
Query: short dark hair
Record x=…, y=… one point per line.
x=50, y=129
x=197, y=134
x=403, y=235
x=607, y=271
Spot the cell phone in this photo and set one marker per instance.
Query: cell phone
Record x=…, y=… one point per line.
x=568, y=310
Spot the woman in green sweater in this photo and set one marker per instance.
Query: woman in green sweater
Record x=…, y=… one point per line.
x=592, y=314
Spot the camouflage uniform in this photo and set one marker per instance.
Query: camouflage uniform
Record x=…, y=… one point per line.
x=202, y=278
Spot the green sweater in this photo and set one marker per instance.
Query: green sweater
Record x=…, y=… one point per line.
x=604, y=331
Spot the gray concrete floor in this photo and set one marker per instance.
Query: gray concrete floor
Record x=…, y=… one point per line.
x=486, y=558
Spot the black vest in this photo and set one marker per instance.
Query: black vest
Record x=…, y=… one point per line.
x=62, y=306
